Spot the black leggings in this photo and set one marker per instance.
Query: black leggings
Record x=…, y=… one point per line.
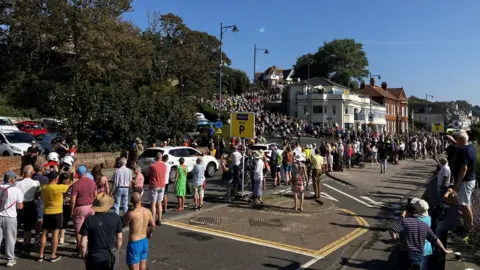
x=66, y=216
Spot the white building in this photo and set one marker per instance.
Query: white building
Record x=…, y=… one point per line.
x=329, y=104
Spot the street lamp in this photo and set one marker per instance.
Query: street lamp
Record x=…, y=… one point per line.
x=379, y=78
x=223, y=30
x=426, y=107
x=255, y=49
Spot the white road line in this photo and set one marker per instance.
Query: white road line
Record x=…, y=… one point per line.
x=309, y=263
x=325, y=195
x=370, y=200
x=348, y=195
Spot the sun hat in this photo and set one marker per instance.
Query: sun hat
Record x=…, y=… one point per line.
x=257, y=155
x=102, y=203
x=34, y=142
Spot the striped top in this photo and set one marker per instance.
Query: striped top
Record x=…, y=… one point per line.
x=413, y=233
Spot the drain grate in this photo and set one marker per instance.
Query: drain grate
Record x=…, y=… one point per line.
x=264, y=222
x=209, y=221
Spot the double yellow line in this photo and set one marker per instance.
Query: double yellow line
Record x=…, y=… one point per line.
x=321, y=253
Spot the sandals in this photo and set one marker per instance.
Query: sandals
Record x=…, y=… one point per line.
x=56, y=259
x=40, y=259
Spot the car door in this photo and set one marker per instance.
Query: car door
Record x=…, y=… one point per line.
x=193, y=155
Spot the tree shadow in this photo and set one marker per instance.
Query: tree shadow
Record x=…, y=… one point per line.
x=291, y=264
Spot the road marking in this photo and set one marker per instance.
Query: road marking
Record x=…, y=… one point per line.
x=243, y=238
x=370, y=200
x=309, y=263
x=348, y=195
x=325, y=195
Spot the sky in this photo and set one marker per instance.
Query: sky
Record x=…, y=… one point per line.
x=428, y=47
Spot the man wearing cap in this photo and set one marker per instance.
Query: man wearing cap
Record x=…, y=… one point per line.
x=103, y=232
x=84, y=192
x=52, y=195
x=8, y=215
x=32, y=154
x=28, y=215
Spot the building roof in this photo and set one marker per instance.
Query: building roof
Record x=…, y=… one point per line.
x=286, y=73
x=397, y=92
x=273, y=70
x=375, y=91
x=323, y=82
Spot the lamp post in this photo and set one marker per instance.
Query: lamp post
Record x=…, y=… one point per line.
x=309, y=64
x=255, y=49
x=426, y=105
x=223, y=30
x=371, y=109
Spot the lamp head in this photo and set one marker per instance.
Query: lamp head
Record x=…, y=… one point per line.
x=235, y=29
x=266, y=51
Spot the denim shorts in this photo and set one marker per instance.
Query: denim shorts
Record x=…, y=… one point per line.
x=288, y=167
x=156, y=195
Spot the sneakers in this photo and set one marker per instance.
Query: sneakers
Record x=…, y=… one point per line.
x=158, y=223
x=11, y=263
x=56, y=259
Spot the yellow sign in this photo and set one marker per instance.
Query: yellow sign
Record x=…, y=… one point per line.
x=242, y=124
x=438, y=127
x=218, y=131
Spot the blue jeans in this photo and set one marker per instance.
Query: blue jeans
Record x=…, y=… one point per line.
x=121, y=196
x=383, y=165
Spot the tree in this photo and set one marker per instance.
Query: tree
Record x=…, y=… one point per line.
x=234, y=81
x=341, y=60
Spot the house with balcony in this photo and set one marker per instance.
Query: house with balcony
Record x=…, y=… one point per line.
x=328, y=104
x=274, y=77
x=396, y=103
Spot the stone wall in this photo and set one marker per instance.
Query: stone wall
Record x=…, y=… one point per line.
x=88, y=159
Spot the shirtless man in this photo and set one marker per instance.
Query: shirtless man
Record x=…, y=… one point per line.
x=139, y=220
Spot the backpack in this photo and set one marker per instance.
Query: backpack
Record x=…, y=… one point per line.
x=4, y=198
x=279, y=159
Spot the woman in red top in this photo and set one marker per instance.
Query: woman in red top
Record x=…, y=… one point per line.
x=349, y=155
x=100, y=179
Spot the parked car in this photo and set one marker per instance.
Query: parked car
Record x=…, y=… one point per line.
x=15, y=143
x=32, y=127
x=7, y=124
x=45, y=141
x=265, y=147
x=190, y=155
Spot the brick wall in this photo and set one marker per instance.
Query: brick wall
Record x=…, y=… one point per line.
x=88, y=159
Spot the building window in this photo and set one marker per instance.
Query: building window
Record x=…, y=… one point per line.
x=334, y=109
x=325, y=109
x=346, y=110
x=318, y=109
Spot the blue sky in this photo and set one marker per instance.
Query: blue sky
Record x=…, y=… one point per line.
x=428, y=46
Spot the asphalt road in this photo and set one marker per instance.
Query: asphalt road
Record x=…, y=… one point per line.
x=362, y=191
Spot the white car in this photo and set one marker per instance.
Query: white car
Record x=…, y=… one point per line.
x=15, y=143
x=190, y=155
x=7, y=124
x=265, y=147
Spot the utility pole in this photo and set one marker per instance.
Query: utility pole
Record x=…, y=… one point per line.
x=223, y=29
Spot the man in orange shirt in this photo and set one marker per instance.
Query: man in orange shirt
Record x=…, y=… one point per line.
x=156, y=173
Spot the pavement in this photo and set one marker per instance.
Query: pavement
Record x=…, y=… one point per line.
x=346, y=231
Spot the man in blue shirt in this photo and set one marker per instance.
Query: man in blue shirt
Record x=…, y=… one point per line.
x=198, y=177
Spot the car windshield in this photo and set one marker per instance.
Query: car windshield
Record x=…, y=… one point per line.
x=33, y=126
x=17, y=137
x=259, y=147
x=150, y=153
x=6, y=122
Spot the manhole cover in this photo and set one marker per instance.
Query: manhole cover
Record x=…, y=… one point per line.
x=209, y=221
x=264, y=222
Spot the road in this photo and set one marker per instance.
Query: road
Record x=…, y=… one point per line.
x=347, y=232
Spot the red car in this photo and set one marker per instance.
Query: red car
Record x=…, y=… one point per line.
x=34, y=128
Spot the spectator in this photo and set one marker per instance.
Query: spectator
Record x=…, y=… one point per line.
x=181, y=184
x=104, y=241
x=11, y=198
x=412, y=235
x=139, y=180
x=122, y=178
x=317, y=162
x=28, y=215
x=198, y=175
x=84, y=192
x=52, y=195
x=32, y=154
x=65, y=178
x=443, y=178
x=100, y=179
x=43, y=180
x=421, y=212
x=299, y=172
x=227, y=176
x=156, y=173
x=382, y=157
x=464, y=173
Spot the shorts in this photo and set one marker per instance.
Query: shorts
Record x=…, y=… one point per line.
x=465, y=192
x=197, y=190
x=52, y=222
x=288, y=167
x=273, y=171
x=28, y=216
x=79, y=216
x=156, y=195
x=39, y=210
x=137, y=251
x=138, y=189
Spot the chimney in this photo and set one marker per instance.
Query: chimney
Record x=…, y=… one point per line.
x=372, y=81
x=362, y=85
x=384, y=86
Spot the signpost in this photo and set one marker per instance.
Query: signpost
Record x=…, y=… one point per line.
x=242, y=125
x=438, y=127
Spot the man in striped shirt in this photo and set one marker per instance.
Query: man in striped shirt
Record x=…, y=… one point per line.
x=412, y=234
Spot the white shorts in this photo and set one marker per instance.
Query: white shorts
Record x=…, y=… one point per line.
x=156, y=195
x=465, y=192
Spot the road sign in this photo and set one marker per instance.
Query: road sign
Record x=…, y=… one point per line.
x=219, y=124
x=218, y=131
x=242, y=125
x=438, y=127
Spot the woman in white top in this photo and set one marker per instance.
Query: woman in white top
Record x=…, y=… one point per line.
x=374, y=154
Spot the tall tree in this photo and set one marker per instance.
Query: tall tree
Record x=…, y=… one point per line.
x=341, y=60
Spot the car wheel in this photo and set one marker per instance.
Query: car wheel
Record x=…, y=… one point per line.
x=211, y=169
x=6, y=154
x=173, y=174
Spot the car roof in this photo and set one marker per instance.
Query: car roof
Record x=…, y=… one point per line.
x=168, y=148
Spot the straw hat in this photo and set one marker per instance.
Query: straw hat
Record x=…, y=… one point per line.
x=257, y=155
x=300, y=157
x=102, y=203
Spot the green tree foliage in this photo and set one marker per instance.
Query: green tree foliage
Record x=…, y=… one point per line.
x=234, y=81
x=341, y=60
x=80, y=62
